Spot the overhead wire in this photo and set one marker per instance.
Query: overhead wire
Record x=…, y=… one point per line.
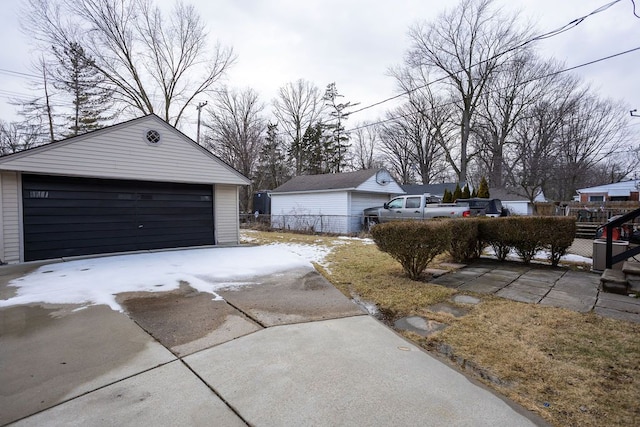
x=524, y=82
x=573, y=23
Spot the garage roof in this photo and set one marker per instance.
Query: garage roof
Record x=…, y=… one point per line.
x=335, y=181
x=146, y=148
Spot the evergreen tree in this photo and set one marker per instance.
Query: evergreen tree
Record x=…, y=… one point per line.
x=474, y=193
x=447, y=197
x=76, y=75
x=483, y=188
x=338, y=148
x=465, y=192
x=272, y=169
x=457, y=193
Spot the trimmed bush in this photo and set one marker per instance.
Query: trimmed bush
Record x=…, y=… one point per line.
x=496, y=233
x=414, y=244
x=464, y=243
x=558, y=234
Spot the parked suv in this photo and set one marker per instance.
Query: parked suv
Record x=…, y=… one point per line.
x=484, y=207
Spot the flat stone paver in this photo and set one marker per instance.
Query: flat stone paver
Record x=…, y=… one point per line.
x=576, y=302
x=518, y=294
x=543, y=284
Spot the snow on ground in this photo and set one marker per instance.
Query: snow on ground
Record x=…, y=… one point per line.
x=98, y=280
x=543, y=256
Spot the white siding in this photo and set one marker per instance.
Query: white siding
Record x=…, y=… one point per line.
x=226, y=214
x=518, y=207
x=360, y=202
x=122, y=152
x=10, y=212
x=371, y=185
x=325, y=212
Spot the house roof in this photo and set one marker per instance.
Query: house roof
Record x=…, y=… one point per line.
x=623, y=188
x=118, y=150
x=505, y=195
x=435, y=189
x=330, y=181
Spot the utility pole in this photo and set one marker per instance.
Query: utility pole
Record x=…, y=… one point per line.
x=199, y=108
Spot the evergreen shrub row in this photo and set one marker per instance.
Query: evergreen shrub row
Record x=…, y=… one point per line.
x=414, y=244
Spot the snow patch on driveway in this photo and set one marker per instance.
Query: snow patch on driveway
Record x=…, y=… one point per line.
x=98, y=280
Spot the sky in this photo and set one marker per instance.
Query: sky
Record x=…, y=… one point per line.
x=354, y=42
x=97, y=280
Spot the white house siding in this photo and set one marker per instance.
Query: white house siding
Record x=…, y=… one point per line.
x=10, y=212
x=360, y=202
x=518, y=207
x=325, y=212
x=226, y=214
x=371, y=185
x=123, y=152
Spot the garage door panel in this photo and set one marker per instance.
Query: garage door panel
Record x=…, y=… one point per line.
x=66, y=216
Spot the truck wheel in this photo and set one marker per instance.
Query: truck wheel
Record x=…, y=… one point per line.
x=370, y=222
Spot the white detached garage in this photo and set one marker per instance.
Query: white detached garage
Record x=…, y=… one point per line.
x=330, y=203
x=138, y=185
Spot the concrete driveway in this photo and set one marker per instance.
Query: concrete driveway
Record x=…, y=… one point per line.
x=289, y=349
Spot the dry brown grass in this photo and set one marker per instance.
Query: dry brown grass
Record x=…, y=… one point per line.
x=573, y=369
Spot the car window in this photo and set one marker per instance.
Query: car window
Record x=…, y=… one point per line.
x=412, y=202
x=396, y=203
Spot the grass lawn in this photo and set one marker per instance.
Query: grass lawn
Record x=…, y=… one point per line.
x=573, y=369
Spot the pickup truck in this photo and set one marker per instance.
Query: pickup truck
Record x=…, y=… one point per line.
x=413, y=207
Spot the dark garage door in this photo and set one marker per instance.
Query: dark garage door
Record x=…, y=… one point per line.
x=66, y=216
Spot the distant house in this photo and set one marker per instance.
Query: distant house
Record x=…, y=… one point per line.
x=515, y=203
x=433, y=189
x=616, y=192
x=332, y=203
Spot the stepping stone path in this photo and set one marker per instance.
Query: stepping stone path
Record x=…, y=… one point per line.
x=466, y=299
x=419, y=325
x=425, y=327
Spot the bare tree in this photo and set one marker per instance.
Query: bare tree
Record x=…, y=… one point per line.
x=461, y=50
x=592, y=131
x=511, y=93
x=236, y=132
x=364, y=154
x=136, y=48
x=298, y=106
x=19, y=136
x=532, y=159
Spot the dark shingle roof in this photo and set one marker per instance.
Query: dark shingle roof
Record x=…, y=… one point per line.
x=330, y=181
x=506, y=195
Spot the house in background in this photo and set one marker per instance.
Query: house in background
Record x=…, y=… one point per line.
x=137, y=185
x=330, y=203
x=515, y=203
x=616, y=192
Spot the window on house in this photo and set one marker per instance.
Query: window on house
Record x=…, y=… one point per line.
x=596, y=198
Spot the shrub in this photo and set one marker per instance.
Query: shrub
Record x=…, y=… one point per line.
x=414, y=244
x=464, y=243
x=495, y=232
x=526, y=236
x=557, y=236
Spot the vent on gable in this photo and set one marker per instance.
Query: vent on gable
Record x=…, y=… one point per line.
x=153, y=137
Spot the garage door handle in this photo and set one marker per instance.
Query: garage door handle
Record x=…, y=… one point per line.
x=140, y=226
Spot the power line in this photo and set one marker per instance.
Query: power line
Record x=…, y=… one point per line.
x=524, y=82
x=18, y=73
x=573, y=23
